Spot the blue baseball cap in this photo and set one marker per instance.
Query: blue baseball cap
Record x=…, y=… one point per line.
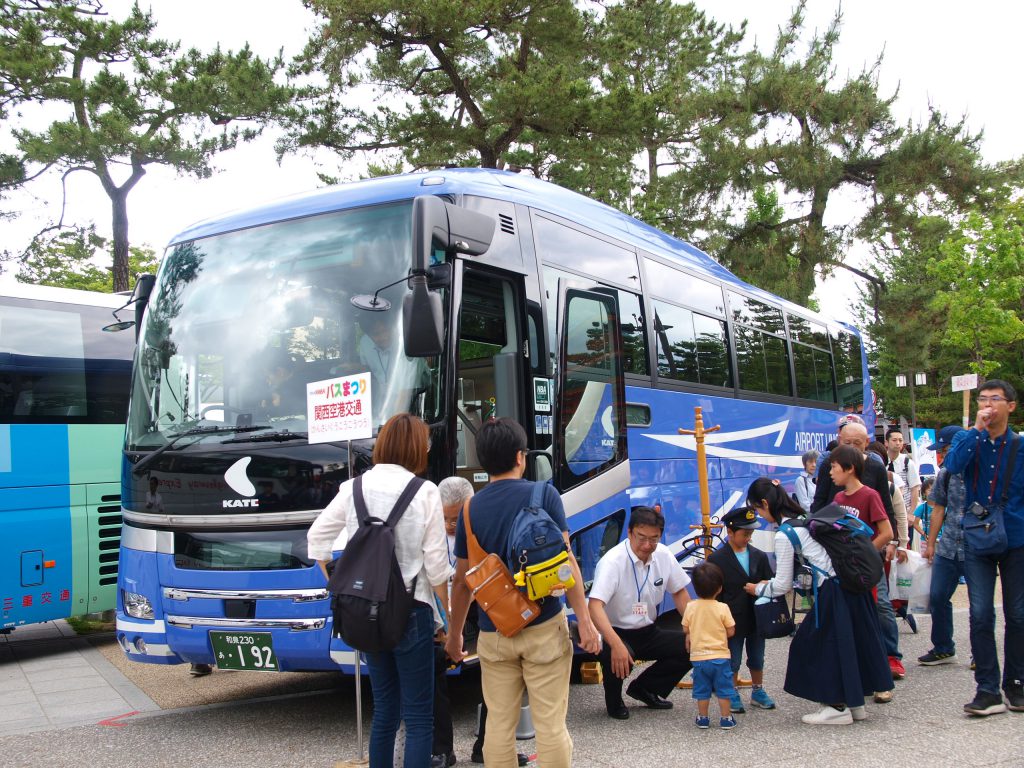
x=945, y=437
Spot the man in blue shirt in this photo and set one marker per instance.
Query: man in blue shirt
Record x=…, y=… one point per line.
x=981, y=455
x=539, y=658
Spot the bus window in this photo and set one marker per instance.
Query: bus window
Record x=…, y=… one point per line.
x=812, y=360
x=849, y=374
x=634, y=334
x=691, y=346
x=591, y=543
x=589, y=255
x=756, y=314
x=684, y=288
x=631, y=321
x=588, y=416
x=56, y=367
x=761, y=362
x=762, y=359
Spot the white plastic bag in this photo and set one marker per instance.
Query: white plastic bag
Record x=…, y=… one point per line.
x=901, y=575
x=921, y=589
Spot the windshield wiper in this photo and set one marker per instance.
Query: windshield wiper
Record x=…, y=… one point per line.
x=209, y=430
x=269, y=437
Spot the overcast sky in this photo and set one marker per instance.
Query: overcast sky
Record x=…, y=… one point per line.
x=963, y=58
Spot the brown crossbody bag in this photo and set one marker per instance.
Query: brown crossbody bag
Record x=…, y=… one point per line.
x=493, y=588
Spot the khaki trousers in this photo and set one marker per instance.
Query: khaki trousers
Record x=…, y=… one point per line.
x=539, y=660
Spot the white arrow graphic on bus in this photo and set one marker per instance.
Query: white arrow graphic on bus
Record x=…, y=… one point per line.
x=689, y=442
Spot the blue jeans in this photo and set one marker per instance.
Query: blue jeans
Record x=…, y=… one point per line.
x=755, y=652
x=946, y=575
x=887, y=618
x=403, y=689
x=981, y=587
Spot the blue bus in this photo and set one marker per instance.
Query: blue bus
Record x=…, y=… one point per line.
x=63, y=404
x=463, y=294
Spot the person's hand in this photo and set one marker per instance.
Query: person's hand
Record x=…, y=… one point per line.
x=901, y=555
x=929, y=551
x=453, y=647
x=441, y=637
x=983, y=418
x=751, y=589
x=889, y=551
x=590, y=638
x=622, y=661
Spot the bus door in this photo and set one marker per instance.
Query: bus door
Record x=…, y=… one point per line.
x=490, y=360
x=591, y=466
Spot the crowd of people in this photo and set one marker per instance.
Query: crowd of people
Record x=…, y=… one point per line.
x=843, y=652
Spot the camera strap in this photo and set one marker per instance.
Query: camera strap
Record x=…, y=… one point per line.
x=1015, y=441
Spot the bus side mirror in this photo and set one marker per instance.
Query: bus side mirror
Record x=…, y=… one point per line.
x=143, y=290
x=422, y=320
x=436, y=224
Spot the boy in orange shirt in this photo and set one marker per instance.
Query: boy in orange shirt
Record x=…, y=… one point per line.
x=708, y=625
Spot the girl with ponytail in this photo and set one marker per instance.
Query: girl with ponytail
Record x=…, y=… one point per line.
x=836, y=656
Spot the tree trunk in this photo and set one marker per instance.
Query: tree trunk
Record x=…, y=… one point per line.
x=119, y=206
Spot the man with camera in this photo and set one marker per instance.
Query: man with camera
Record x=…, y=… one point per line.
x=993, y=470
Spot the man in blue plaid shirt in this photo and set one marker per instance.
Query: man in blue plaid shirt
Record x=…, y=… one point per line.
x=945, y=551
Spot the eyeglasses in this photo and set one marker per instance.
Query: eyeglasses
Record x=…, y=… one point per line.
x=651, y=540
x=994, y=399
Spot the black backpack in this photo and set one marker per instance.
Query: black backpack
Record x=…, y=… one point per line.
x=847, y=541
x=370, y=602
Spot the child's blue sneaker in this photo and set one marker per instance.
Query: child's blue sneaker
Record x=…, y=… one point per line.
x=703, y=722
x=727, y=723
x=759, y=698
x=736, y=703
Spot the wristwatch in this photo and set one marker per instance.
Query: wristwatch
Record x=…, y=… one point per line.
x=895, y=543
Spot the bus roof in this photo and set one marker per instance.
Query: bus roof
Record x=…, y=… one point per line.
x=62, y=295
x=486, y=182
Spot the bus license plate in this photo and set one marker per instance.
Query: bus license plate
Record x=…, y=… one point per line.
x=251, y=651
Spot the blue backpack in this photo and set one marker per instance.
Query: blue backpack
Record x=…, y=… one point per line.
x=847, y=540
x=535, y=552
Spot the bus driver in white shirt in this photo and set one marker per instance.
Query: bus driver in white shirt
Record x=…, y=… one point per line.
x=629, y=586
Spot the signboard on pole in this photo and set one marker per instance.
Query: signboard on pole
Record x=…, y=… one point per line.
x=339, y=409
x=964, y=382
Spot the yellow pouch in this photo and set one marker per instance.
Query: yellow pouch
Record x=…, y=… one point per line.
x=552, y=577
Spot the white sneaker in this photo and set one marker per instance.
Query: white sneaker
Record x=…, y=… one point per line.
x=829, y=716
x=859, y=713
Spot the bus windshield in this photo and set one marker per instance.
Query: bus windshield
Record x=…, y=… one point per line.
x=239, y=323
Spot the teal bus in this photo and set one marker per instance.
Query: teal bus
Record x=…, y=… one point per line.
x=64, y=388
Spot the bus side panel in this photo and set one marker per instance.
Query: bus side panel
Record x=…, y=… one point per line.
x=103, y=516
x=36, y=565
x=755, y=439
x=95, y=460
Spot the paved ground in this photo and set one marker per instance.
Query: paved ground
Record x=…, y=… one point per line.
x=924, y=724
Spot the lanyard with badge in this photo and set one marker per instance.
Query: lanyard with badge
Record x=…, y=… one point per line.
x=640, y=607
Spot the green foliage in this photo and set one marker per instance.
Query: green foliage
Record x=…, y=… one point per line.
x=72, y=258
x=953, y=304
x=981, y=266
x=127, y=98
x=453, y=82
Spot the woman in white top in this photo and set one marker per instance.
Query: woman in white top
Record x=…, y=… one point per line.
x=402, y=679
x=837, y=656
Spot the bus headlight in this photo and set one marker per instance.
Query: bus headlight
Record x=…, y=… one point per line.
x=137, y=606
